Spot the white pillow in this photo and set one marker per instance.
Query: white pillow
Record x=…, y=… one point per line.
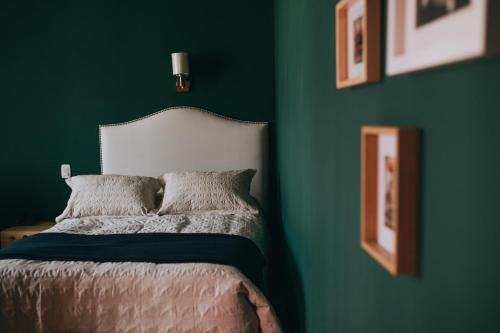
x=110, y=195
x=202, y=191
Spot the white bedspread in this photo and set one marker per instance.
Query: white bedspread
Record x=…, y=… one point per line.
x=247, y=225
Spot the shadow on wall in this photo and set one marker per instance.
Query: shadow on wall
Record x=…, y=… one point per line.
x=286, y=290
x=285, y=285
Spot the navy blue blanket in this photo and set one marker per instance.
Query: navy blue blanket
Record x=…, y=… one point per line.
x=232, y=250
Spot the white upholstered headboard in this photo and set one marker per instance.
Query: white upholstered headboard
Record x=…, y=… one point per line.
x=186, y=139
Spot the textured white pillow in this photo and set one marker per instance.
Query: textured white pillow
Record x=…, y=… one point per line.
x=110, y=195
x=202, y=191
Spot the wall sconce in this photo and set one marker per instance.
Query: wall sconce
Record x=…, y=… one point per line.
x=180, y=68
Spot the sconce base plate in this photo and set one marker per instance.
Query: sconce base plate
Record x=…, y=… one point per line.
x=185, y=84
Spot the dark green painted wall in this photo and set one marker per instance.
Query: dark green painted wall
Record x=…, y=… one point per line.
x=67, y=66
x=336, y=287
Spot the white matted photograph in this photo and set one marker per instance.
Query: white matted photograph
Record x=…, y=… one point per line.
x=423, y=34
x=386, y=199
x=355, y=36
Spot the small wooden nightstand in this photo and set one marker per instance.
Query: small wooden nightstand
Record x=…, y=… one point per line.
x=10, y=235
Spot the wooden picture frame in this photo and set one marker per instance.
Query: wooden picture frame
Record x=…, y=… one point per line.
x=389, y=196
x=357, y=42
x=428, y=34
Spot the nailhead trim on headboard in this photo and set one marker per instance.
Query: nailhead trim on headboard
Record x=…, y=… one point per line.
x=168, y=109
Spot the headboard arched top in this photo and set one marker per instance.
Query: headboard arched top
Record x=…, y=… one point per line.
x=187, y=139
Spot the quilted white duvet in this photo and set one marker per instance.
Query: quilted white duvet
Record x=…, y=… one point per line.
x=73, y=296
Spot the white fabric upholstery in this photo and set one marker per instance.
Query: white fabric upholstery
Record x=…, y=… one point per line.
x=187, y=139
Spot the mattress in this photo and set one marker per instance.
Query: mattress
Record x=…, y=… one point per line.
x=88, y=296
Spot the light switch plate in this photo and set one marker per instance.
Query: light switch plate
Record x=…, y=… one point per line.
x=65, y=171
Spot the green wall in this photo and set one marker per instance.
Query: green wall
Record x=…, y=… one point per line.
x=67, y=66
x=334, y=285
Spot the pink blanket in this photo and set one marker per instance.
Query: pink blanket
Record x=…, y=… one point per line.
x=129, y=297
x=93, y=297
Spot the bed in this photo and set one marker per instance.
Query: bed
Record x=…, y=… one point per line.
x=196, y=271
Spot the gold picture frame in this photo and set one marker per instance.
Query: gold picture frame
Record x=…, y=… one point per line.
x=357, y=42
x=389, y=196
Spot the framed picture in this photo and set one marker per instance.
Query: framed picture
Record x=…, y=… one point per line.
x=357, y=42
x=428, y=33
x=389, y=196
